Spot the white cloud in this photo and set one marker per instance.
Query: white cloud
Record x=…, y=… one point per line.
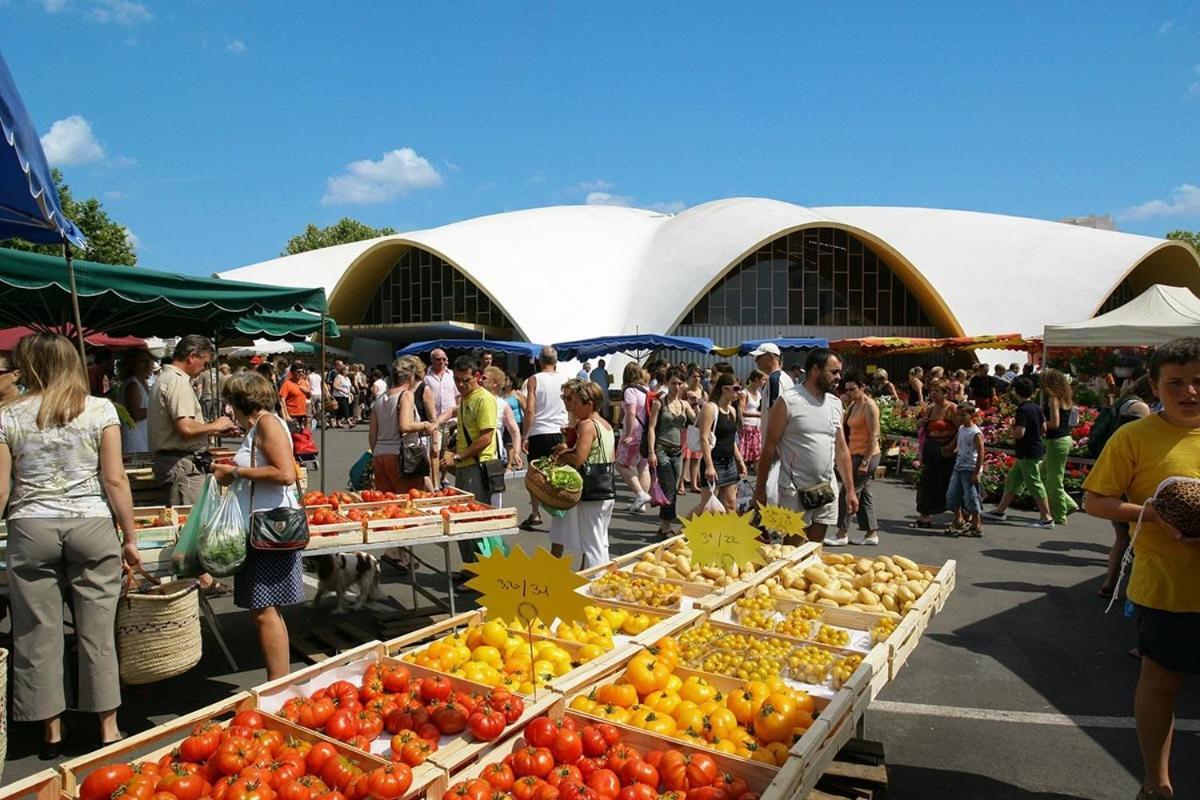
x=54, y=6
x=1166, y=26
x=598, y=185
x=237, y=47
x=70, y=141
x=133, y=241
x=1183, y=202
x=122, y=12
x=673, y=207
x=394, y=175
x=606, y=199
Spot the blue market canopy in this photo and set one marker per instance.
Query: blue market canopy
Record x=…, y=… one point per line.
x=607, y=345
x=473, y=345
x=750, y=345
x=29, y=207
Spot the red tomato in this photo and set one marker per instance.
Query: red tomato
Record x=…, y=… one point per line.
x=342, y=725
x=359, y=742
x=500, y=776
x=338, y=771
x=535, y=761
x=487, y=724
x=639, y=772
x=682, y=772
x=540, y=732
x=638, y=791
x=436, y=688
x=203, y=742
x=469, y=790
x=232, y=757
x=245, y=789
x=397, y=678
x=733, y=785
x=451, y=718
x=416, y=752
x=605, y=783
x=370, y=724
x=315, y=713
x=610, y=733
x=708, y=793
x=390, y=782
x=429, y=732
x=589, y=765
x=103, y=781
x=619, y=756
x=183, y=784
x=526, y=787
x=342, y=692
x=248, y=719
x=318, y=755
x=564, y=772
x=567, y=747
x=592, y=740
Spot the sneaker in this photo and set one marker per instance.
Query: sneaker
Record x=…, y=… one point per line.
x=999, y=517
x=857, y=538
x=639, y=503
x=838, y=539
x=1045, y=524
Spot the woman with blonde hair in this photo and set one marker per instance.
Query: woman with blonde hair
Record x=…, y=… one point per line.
x=882, y=388
x=395, y=427
x=60, y=452
x=1058, y=405
x=584, y=529
x=916, y=386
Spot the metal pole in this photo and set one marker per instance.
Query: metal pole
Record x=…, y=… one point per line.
x=75, y=306
x=320, y=410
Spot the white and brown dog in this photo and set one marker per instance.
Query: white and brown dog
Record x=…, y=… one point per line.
x=342, y=571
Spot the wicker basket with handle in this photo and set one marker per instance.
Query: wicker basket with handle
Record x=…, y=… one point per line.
x=158, y=630
x=548, y=495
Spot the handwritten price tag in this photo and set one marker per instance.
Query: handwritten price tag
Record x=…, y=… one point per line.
x=782, y=520
x=518, y=586
x=722, y=539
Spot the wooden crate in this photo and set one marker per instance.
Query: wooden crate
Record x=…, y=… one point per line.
x=689, y=592
x=848, y=618
x=402, y=501
x=298, y=682
x=45, y=785
x=813, y=752
x=401, y=528
x=336, y=534
x=459, y=496
x=757, y=775
x=903, y=641
x=459, y=522
x=414, y=639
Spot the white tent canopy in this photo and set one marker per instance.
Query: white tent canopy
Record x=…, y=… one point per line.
x=1155, y=316
x=273, y=347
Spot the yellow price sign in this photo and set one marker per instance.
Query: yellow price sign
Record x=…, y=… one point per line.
x=518, y=586
x=783, y=521
x=722, y=539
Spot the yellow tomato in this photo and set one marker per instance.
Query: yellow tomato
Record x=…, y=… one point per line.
x=656, y=722
x=584, y=704
x=613, y=713
x=761, y=754
x=636, y=623
x=487, y=654
x=474, y=637
x=758, y=690
x=742, y=704
x=614, y=617
x=780, y=751
x=647, y=673
x=776, y=684
x=725, y=746
x=721, y=724
x=775, y=719
x=589, y=652
x=674, y=684
x=494, y=633
x=617, y=694
x=663, y=700
x=689, y=717
x=697, y=689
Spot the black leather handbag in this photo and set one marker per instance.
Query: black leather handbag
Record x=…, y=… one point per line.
x=276, y=528
x=599, y=480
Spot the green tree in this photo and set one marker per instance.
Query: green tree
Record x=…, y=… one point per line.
x=108, y=241
x=1191, y=237
x=344, y=231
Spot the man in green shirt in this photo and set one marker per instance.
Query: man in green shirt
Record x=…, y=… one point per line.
x=475, y=441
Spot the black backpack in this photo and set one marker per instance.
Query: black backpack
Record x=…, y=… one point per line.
x=1106, y=425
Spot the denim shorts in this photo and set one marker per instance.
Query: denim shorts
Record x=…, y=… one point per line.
x=962, y=493
x=727, y=472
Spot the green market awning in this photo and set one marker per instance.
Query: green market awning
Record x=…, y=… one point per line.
x=34, y=290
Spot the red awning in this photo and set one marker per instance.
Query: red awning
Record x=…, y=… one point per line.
x=10, y=336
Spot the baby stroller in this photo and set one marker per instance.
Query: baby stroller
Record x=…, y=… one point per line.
x=304, y=448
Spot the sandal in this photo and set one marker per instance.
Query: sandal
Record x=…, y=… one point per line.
x=954, y=530
x=973, y=533
x=530, y=524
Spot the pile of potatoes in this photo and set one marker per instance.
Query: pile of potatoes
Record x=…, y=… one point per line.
x=675, y=562
x=883, y=585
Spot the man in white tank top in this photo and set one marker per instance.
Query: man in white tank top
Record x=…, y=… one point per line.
x=545, y=418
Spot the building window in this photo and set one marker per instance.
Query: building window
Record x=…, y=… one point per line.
x=817, y=276
x=423, y=288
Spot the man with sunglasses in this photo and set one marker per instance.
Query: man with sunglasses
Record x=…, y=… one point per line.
x=439, y=381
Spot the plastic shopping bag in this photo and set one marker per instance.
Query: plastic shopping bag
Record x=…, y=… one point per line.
x=185, y=556
x=657, y=496
x=222, y=547
x=488, y=544
x=714, y=504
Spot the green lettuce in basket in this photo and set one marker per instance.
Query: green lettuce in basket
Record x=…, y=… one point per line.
x=560, y=476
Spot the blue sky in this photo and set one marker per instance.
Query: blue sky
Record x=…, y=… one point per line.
x=216, y=130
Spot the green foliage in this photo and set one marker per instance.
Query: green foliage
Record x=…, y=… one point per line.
x=344, y=231
x=1191, y=237
x=108, y=241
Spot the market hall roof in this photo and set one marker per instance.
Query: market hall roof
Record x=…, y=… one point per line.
x=582, y=271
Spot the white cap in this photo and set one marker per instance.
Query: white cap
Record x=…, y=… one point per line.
x=766, y=348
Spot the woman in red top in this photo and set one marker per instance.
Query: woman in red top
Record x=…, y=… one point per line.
x=936, y=424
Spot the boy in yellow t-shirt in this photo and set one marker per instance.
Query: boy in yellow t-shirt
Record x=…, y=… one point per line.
x=1165, y=582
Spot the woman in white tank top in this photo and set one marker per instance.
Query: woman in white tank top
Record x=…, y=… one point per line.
x=545, y=418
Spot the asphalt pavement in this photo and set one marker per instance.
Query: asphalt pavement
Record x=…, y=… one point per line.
x=1021, y=687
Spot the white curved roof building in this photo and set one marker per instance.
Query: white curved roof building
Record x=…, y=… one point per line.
x=730, y=269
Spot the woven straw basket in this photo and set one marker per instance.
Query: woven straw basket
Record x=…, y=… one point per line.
x=3, y=708
x=158, y=632
x=547, y=495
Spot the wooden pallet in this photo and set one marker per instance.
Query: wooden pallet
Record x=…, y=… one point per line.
x=319, y=644
x=859, y=772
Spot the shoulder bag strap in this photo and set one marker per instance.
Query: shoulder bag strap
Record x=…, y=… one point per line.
x=254, y=452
